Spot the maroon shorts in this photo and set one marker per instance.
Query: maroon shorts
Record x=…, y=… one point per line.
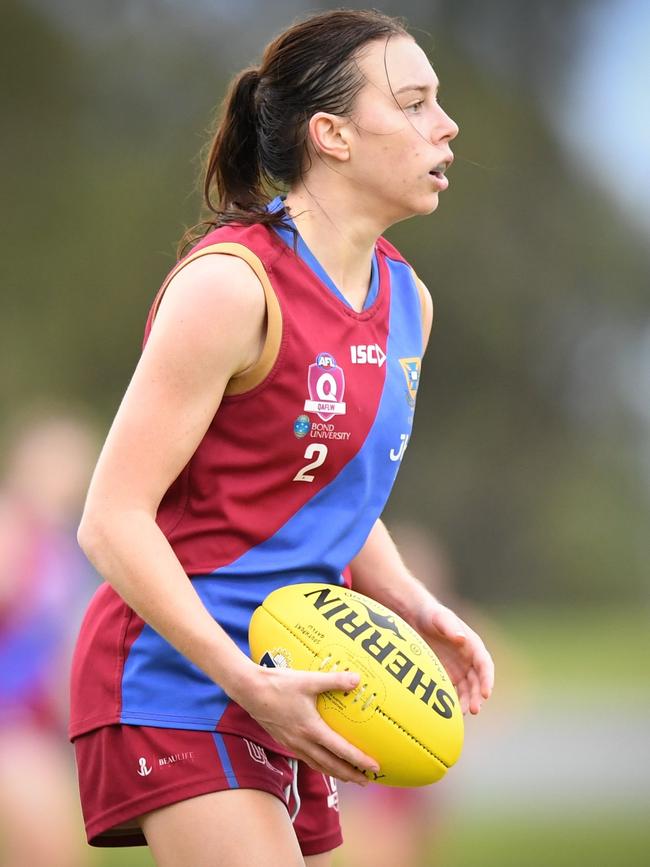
x=125, y=771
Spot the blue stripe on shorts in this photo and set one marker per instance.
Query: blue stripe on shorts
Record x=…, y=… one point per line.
x=224, y=758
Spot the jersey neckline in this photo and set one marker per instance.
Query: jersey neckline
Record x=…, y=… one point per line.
x=307, y=257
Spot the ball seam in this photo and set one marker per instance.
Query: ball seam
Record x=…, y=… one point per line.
x=409, y=735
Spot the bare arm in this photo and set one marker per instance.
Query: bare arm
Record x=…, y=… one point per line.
x=427, y=317
x=379, y=572
x=209, y=326
x=174, y=393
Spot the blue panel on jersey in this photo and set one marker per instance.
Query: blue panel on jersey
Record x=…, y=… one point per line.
x=154, y=670
x=315, y=544
x=307, y=256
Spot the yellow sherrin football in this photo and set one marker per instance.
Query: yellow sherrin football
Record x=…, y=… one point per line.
x=405, y=712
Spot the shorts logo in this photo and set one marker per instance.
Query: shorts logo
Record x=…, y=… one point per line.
x=332, y=793
x=144, y=770
x=411, y=368
x=301, y=426
x=256, y=752
x=174, y=758
x=326, y=383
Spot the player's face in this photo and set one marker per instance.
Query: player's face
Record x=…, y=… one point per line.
x=400, y=147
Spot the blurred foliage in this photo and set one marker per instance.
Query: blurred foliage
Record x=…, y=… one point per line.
x=506, y=842
x=524, y=457
x=571, y=655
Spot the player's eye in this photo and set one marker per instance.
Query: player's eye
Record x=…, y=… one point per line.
x=416, y=106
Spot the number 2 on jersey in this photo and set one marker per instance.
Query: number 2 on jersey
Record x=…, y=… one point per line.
x=314, y=450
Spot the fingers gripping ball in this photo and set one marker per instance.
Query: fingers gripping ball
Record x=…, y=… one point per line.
x=405, y=712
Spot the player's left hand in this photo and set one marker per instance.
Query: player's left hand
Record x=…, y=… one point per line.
x=461, y=651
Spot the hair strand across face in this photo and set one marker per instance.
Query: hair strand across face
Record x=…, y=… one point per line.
x=260, y=142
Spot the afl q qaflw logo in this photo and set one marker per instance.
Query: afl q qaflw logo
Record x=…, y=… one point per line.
x=326, y=384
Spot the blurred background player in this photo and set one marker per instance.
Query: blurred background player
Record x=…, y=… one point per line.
x=44, y=585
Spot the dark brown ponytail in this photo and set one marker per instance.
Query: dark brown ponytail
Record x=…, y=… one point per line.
x=233, y=163
x=260, y=142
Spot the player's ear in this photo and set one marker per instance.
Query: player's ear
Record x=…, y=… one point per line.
x=329, y=135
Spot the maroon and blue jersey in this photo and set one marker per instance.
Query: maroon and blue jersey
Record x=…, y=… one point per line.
x=48, y=585
x=285, y=486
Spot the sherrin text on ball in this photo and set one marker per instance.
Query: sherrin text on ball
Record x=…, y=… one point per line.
x=405, y=712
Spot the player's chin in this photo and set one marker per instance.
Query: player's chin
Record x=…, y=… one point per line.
x=418, y=207
x=423, y=205
x=432, y=203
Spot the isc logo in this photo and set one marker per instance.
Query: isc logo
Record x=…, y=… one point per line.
x=381, y=648
x=371, y=354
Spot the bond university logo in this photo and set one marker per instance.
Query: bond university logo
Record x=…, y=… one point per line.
x=411, y=368
x=301, y=426
x=326, y=384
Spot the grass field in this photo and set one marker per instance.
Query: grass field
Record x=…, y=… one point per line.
x=580, y=841
x=584, y=841
x=599, y=659
x=582, y=650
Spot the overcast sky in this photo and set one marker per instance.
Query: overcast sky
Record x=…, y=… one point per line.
x=604, y=119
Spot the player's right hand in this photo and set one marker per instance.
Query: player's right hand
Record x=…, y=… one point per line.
x=283, y=701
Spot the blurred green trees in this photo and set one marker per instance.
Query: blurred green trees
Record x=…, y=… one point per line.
x=525, y=457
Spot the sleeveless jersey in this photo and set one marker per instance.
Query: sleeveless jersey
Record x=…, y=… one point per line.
x=284, y=487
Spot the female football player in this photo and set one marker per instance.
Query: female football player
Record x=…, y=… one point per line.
x=255, y=447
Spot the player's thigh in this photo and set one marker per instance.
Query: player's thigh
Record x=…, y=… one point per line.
x=231, y=828
x=323, y=860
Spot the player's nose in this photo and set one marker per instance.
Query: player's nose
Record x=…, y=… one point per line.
x=446, y=127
